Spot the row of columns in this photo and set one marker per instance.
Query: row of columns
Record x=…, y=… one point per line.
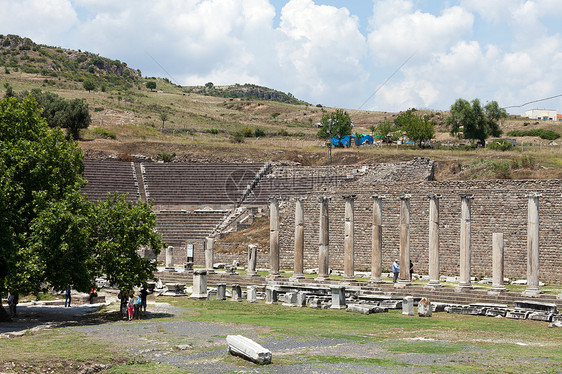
x=376, y=259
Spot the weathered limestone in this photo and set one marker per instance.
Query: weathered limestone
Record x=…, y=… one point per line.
x=236, y=293
x=290, y=299
x=241, y=346
x=273, y=238
x=497, y=264
x=271, y=295
x=424, y=308
x=221, y=291
x=408, y=305
x=251, y=294
x=349, y=239
x=323, y=240
x=404, y=242
x=465, y=243
x=434, y=241
x=210, y=254
x=170, y=259
x=199, y=284
x=338, y=297
x=301, y=299
x=532, y=246
x=376, y=249
x=252, y=260
x=298, y=270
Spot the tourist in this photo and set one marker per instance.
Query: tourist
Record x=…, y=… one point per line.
x=143, y=294
x=122, y=296
x=395, y=270
x=93, y=293
x=130, y=307
x=138, y=303
x=12, y=303
x=411, y=269
x=67, y=296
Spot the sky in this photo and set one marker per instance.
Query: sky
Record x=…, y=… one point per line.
x=383, y=55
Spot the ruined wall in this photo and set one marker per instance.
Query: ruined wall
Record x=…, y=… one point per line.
x=498, y=206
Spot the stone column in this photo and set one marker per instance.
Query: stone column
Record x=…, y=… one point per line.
x=252, y=260
x=404, y=242
x=465, y=243
x=497, y=264
x=349, y=239
x=323, y=240
x=251, y=294
x=210, y=254
x=199, y=284
x=376, y=245
x=236, y=293
x=273, y=238
x=170, y=259
x=221, y=291
x=298, y=270
x=434, y=241
x=532, y=245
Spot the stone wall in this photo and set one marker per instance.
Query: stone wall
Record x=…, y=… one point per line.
x=498, y=206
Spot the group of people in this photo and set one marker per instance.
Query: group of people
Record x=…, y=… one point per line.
x=396, y=270
x=132, y=305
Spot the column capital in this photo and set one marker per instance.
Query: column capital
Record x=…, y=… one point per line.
x=434, y=196
x=273, y=199
x=321, y=199
x=533, y=194
x=377, y=196
x=300, y=198
x=349, y=197
x=466, y=196
x=405, y=197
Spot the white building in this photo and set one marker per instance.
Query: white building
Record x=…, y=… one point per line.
x=544, y=114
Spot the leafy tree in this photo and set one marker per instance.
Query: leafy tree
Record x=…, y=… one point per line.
x=385, y=129
x=163, y=117
x=119, y=229
x=418, y=129
x=475, y=122
x=38, y=167
x=151, y=85
x=336, y=123
x=89, y=85
x=72, y=115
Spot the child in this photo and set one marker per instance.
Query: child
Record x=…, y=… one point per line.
x=130, y=307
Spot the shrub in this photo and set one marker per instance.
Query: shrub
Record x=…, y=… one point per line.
x=237, y=137
x=542, y=133
x=259, y=133
x=500, y=145
x=275, y=115
x=98, y=109
x=247, y=132
x=166, y=157
x=104, y=133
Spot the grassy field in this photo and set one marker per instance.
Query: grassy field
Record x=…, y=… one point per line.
x=384, y=342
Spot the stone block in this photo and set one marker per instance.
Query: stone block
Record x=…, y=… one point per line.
x=517, y=314
x=391, y=304
x=301, y=299
x=408, y=306
x=271, y=295
x=290, y=299
x=424, y=308
x=557, y=318
x=315, y=303
x=536, y=306
x=438, y=307
x=199, y=284
x=251, y=294
x=236, y=293
x=338, y=297
x=541, y=316
x=221, y=291
x=359, y=308
x=496, y=312
x=248, y=349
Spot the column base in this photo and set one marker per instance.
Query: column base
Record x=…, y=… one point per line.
x=463, y=287
x=211, y=271
x=170, y=270
x=274, y=277
x=531, y=292
x=496, y=291
x=322, y=278
x=252, y=275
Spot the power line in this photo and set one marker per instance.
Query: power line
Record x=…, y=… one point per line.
x=162, y=67
x=386, y=81
x=532, y=102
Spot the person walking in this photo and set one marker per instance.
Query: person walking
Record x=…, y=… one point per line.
x=13, y=303
x=143, y=295
x=395, y=270
x=67, y=296
x=411, y=270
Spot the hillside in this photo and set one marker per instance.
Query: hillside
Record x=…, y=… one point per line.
x=213, y=123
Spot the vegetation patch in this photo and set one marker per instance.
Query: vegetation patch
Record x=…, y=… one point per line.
x=541, y=133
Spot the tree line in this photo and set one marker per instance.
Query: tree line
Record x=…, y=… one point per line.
x=51, y=235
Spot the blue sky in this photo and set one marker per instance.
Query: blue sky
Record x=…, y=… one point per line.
x=332, y=52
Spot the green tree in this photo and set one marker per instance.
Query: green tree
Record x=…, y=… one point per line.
x=418, y=129
x=151, y=85
x=89, y=85
x=38, y=167
x=475, y=122
x=119, y=229
x=385, y=130
x=163, y=117
x=336, y=123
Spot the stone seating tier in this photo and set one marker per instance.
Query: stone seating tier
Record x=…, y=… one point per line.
x=105, y=177
x=178, y=226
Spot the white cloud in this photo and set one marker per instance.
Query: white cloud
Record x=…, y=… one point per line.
x=39, y=20
x=397, y=34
